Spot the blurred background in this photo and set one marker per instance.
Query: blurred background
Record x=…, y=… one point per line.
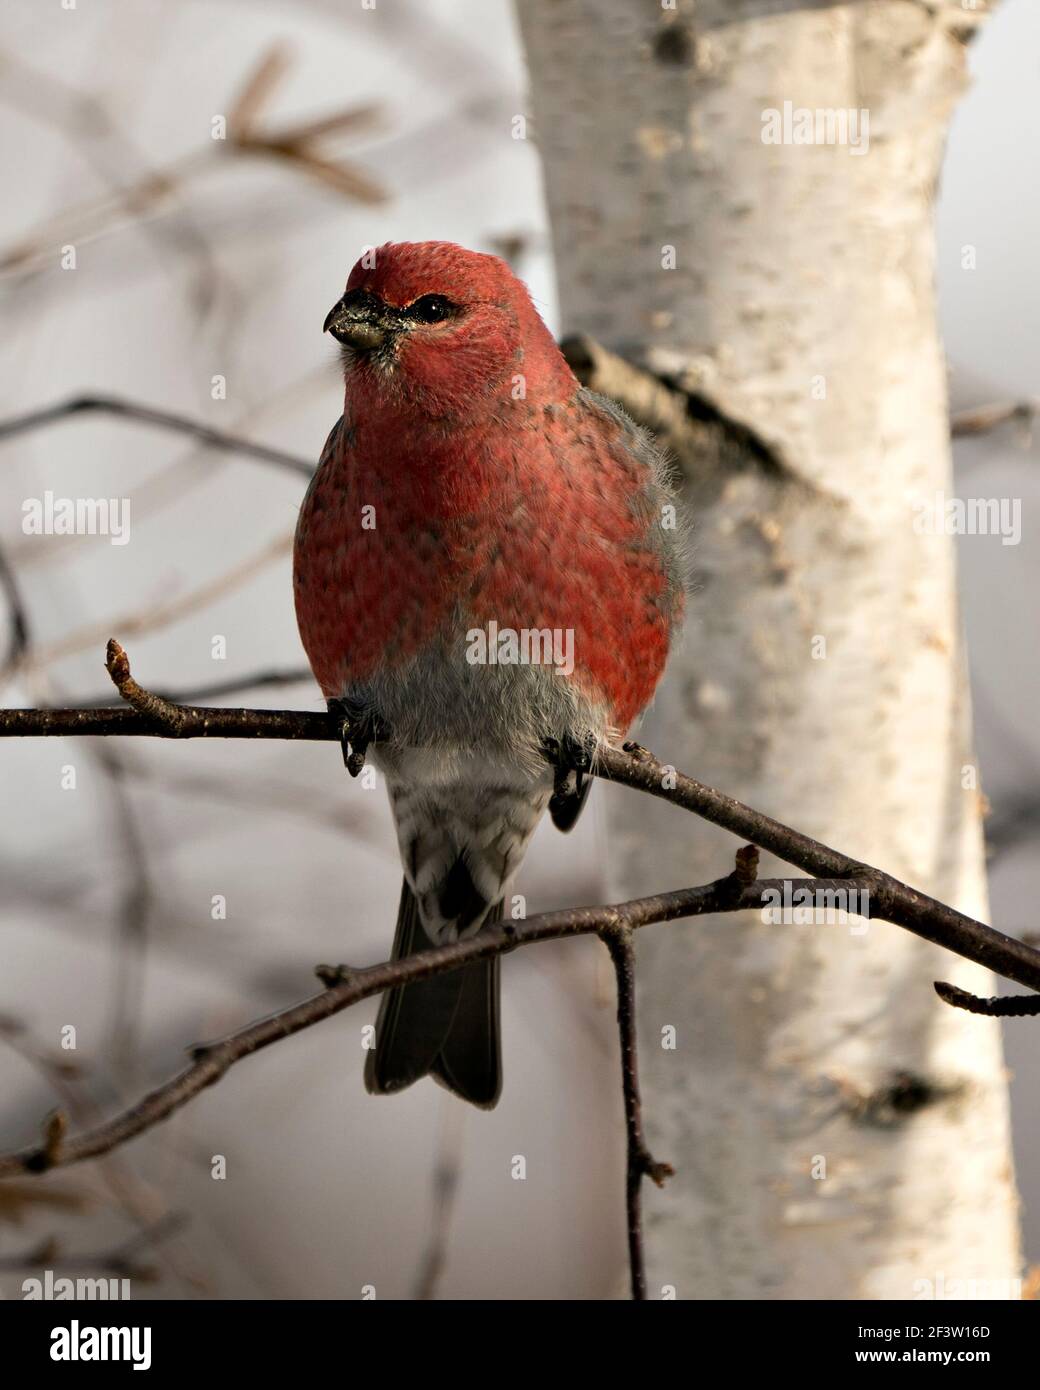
x=151, y=894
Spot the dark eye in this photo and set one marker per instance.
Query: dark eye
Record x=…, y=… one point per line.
x=431, y=308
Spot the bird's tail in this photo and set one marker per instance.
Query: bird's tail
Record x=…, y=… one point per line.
x=446, y=1027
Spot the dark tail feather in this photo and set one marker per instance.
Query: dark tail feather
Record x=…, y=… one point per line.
x=470, y=1059
x=447, y=1026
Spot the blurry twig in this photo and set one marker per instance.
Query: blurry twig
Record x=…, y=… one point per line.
x=136, y=898
x=138, y=1202
x=19, y=1200
x=18, y=652
x=147, y=415
x=266, y=796
x=83, y=119
x=446, y=1171
x=121, y=1262
x=131, y=939
x=1014, y=820
x=162, y=614
x=233, y=685
x=171, y=481
x=295, y=145
x=17, y=620
x=982, y=418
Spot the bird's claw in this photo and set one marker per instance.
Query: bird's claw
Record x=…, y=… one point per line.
x=570, y=753
x=567, y=755
x=358, y=728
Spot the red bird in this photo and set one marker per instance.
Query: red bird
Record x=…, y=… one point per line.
x=486, y=562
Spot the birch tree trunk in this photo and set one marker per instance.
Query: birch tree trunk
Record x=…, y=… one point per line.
x=837, y=1132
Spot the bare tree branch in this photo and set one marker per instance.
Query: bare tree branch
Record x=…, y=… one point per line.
x=640, y=1163
x=161, y=419
x=348, y=986
x=633, y=766
x=199, y=721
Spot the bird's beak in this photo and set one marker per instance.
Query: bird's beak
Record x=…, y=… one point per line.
x=355, y=326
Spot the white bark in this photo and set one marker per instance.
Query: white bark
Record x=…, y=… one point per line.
x=793, y=262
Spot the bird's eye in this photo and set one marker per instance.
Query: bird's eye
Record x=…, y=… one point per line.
x=431, y=308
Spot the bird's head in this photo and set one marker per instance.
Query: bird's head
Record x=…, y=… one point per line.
x=445, y=330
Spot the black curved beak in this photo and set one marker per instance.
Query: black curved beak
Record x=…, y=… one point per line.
x=354, y=322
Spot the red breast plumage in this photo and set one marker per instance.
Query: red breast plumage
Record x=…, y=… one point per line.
x=512, y=497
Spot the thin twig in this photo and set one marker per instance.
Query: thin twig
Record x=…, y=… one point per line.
x=83, y=119
x=162, y=419
x=251, y=680
x=293, y=144
x=982, y=418
x=162, y=614
x=199, y=721
x=186, y=470
x=1008, y=1006
x=640, y=1162
x=117, y=663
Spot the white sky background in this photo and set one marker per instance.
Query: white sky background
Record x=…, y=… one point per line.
x=327, y=1189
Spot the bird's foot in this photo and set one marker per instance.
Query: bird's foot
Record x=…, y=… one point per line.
x=567, y=755
x=358, y=728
